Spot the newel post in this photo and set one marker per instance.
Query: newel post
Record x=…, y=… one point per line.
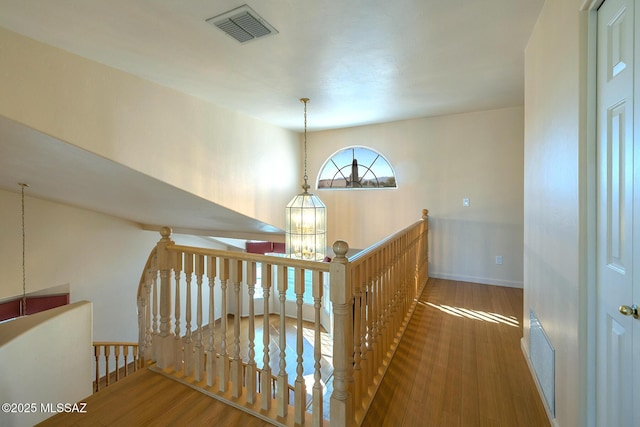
x=165, y=265
x=341, y=294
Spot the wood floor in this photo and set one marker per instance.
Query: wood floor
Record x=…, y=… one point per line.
x=150, y=399
x=459, y=364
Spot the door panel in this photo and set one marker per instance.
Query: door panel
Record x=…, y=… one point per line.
x=618, y=239
x=617, y=402
x=617, y=365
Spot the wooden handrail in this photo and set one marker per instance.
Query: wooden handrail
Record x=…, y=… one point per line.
x=363, y=254
x=123, y=363
x=246, y=256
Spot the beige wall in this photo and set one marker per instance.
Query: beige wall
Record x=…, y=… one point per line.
x=438, y=162
x=41, y=365
x=98, y=256
x=209, y=151
x=555, y=191
x=218, y=154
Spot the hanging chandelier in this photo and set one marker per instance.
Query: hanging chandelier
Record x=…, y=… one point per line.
x=306, y=220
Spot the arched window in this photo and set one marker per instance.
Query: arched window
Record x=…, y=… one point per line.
x=356, y=168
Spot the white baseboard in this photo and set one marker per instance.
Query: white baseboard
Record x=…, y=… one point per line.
x=473, y=279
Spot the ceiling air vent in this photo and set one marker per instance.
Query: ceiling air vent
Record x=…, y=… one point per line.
x=243, y=24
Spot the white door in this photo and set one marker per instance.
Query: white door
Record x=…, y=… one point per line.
x=618, y=332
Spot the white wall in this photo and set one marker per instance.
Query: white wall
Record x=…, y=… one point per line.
x=46, y=359
x=220, y=155
x=555, y=193
x=438, y=162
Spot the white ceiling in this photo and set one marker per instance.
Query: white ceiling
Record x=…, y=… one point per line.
x=360, y=62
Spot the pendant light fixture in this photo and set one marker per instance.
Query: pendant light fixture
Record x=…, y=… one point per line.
x=306, y=220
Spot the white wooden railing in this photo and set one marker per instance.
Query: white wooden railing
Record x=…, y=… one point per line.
x=281, y=337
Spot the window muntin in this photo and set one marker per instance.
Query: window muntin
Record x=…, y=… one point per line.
x=356, y=168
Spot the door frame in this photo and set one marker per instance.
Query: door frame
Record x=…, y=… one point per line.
x=588, y=213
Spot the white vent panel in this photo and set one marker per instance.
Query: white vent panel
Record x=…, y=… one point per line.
x=543, y=359
x=243, y=24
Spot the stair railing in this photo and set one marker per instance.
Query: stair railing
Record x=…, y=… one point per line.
x=248, y=328
x=123, y=356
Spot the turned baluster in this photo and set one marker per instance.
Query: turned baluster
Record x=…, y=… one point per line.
x=116, y=351
x=424, y=258
x=364, y=345
x=211, y=352
x=188, y=337
x=413, y=263
x=367, y=357
x=96, y=352
x=283, y=378
x=300, y=389
x=417, y=250
x=223, y=367
x=154, y=307
x=401, y=282
x=143, y=306
x=199, y=350
x=378, y=311
x=265, y=378
x=401, y=248
x=357, y=314
x=107, y=355
x=394, y=282
x=317, y=409
x=409, y=277
x=177, y=346
x=138, y=361
x=385, y=298
x=125, y=352
x=148, y=333
x=236, y=361
x=404, y=254
x=251, y=363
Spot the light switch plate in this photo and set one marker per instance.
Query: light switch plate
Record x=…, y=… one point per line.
x=465, y=202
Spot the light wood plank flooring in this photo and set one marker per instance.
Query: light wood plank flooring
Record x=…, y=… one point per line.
x=150, y=399
x=459, y=364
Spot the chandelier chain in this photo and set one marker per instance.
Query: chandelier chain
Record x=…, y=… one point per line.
x=306, y=178
x=23, y=306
